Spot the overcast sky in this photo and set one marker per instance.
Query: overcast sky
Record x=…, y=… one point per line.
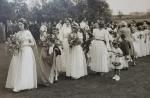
x=127, y=6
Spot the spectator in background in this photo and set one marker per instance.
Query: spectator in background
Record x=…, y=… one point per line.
x=34, y=28
x=2, y=32
x=59, y=25
x=9, y=28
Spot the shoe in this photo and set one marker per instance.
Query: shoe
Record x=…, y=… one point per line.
x=16, y=91
x=117, y=78
x=114, y=77
x=134, y=64
x=126, y=68
x=102, y=74
x=56, y=78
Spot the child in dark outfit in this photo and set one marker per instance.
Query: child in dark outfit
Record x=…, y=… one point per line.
x=125, y=47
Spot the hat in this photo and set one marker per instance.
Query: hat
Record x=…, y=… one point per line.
x=96, y=25
x=101, y=24
x=123, y=23
x=74, y=26
x=22, y=20
x=115, y=42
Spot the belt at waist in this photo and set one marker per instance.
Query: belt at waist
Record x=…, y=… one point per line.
x=99, y=40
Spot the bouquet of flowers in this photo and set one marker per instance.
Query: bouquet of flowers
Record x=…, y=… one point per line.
x=140, y=36
x=13, y=44
x=73, y=40
x=54, y=43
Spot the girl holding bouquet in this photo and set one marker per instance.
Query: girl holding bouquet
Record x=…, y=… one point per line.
x=78, y=67
x=64, y=34
x=55, y=52
x=117, y=60
x=142, y=44
x=22, y=71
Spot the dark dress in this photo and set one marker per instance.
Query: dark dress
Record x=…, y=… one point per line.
x=125, y=47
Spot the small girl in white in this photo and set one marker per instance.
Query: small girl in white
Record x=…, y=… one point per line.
x=117, y=59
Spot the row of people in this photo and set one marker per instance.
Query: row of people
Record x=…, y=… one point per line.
x=71, y=48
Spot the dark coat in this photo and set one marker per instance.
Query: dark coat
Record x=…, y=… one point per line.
x=125, y=47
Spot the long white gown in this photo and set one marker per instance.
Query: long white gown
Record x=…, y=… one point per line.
x=142, y=45
x=78, y=61
x=111, y=39
x=22, y=73
x=147, y=41
x=99, y=51
x=145, y=46
x=136, y=43
x=64, y=34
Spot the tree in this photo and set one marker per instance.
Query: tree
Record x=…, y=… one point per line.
x=120, y=14
x=6, y=11
x=99, y=9
x=77, y=9
x=21, y=9
x=54, y=10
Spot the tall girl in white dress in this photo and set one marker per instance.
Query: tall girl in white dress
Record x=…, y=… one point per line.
x=22, y=73
x=99, y=50
x=64, y=34
x=147, y=40
x=142, y=45
x=136, y=42
x=77, y=58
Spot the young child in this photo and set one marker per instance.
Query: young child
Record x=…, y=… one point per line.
x=117, y=60
x=54, y=51
x=54, y=73
x=125, y=47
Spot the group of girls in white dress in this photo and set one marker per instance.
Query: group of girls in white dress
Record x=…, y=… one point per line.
x=141, y=41
x=62, y=51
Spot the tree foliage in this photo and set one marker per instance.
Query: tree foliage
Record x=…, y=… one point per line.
x=91, y=9
x=59, y=9
x=6, y=11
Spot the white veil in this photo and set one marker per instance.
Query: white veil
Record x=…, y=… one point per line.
x=40, y=74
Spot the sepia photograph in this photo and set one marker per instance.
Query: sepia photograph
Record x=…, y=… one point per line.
x=74, y=48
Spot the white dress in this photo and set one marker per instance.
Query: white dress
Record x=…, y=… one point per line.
x=147, y=41
x=136, y=43
x=64, y=34
x=78, y=61
x=117, y=59
x=99, y=51
x=22, y=71
x=142, y=45
x=111, y=39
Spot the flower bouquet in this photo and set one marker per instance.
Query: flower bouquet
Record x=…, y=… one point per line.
x=140, y=36
x=73, y=40
x=13, y=44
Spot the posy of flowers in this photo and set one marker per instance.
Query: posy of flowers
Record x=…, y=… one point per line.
x=73, y=40
x=13, y=44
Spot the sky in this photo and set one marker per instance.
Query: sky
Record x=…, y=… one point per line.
x=128, y=6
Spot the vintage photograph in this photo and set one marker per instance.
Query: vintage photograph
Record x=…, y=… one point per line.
x=74, y=48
